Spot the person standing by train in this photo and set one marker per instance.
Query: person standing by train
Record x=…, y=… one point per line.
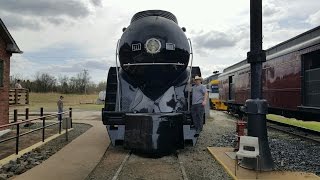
x=60, y=108
x=199, y=100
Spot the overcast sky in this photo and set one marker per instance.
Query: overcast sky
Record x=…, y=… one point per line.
x=64, y=37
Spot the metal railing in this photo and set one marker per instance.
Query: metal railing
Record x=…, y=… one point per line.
x=190, y=75
x=152, y=64
x=118, y=79
x=18, y=96
x=17, y=123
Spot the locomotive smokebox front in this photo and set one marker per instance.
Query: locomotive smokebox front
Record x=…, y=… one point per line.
x=154, y=51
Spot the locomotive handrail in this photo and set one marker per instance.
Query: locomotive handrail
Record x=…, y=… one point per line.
x=144, y=64
x=190, y=75
x=118, y=81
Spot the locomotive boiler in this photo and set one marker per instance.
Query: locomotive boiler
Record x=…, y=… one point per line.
x=147, y=99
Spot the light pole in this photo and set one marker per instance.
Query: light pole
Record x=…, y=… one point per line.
x=256, y=107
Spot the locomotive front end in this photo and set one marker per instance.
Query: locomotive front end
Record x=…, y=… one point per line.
x=154, y=51
x=146, y=97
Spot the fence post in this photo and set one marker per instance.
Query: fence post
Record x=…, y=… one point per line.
x=43, y=123
x=27, y=113
x=15, y=119
x=27, y=117
x=70, y=116
x=27, y=96
x=60, y=121
x=15, y=115
x=16, y=96
x=66, y=125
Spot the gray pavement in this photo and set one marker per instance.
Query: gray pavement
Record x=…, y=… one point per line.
x=77, y=159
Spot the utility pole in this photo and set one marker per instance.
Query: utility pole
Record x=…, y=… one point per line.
x=256, y=107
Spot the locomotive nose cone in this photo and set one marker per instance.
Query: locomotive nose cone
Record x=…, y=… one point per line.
x=154, y=51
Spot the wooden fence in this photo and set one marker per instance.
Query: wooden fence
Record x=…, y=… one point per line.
x=18, y=97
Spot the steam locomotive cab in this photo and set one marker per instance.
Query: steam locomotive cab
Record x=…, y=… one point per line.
x=147, y=100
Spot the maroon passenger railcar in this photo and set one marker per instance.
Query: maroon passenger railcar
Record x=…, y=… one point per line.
x=291, y=79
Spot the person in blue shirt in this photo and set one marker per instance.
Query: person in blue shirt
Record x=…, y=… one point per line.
x=199, y=100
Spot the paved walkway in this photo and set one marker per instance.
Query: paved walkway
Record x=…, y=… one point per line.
x=76, y=160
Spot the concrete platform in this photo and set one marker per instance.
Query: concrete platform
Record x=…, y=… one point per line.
x=76, y=160
x=224, y=157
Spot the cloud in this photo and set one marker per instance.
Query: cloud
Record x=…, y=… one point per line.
x=314, y=19
x=55, y=20
x=214, y=40
x=207, y=71
x=15, y=22
x=34, y=14
x=96, y=2
x=273, y=11
x=46, y=8
x=25, y=68
x=22, y=67
x=77, y=66
x=92, y=32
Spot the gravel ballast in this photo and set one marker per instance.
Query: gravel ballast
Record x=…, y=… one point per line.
x=198, y=162
x=289, y=153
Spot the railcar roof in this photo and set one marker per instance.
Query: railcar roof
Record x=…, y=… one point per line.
x=307, y=38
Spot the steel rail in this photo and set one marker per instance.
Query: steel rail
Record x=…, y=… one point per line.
x=278, y=126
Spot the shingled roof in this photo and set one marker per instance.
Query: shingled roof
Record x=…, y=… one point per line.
x=12, y=47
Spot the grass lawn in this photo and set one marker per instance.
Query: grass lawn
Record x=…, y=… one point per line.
x=304, y=124
x=49, y=102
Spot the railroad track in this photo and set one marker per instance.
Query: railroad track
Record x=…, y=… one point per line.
x=118, y=163
x=126, y=160
x=296, y=131
x=303, y=133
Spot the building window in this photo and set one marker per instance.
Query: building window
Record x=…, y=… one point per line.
x=1, y=73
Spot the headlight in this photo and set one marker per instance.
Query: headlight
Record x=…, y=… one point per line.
x=153, y=46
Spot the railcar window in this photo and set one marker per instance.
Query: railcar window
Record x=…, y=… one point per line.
x=311, y=68
x=214, y=89
x=1, y=73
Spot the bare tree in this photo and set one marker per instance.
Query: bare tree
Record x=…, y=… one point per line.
x=44, y=82
x=102, y=86
x=63, y=84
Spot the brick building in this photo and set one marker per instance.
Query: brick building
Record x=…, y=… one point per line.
x=7, y=47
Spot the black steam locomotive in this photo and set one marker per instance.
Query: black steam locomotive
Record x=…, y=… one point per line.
x=147, y=99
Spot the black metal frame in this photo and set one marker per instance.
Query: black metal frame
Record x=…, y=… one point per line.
x=117, y=118
x=27, y=120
